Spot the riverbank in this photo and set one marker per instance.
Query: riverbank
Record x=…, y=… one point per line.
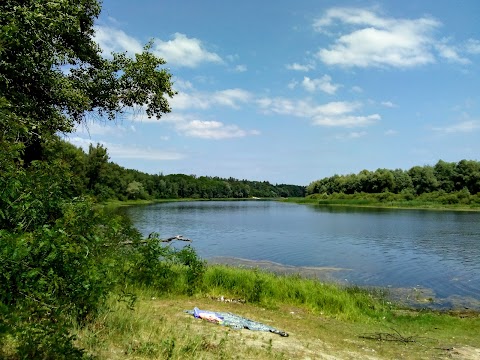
x=344, y=200
x=324, y=321
x=374, y=202
x=123, y=203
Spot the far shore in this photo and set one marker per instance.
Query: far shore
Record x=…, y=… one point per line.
x=405, y=205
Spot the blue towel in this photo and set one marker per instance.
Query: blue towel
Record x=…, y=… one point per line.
x=236, y=322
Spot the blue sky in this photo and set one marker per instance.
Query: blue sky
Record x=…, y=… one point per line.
x=294, y=91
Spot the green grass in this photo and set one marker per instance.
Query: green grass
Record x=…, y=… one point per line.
x=273, y=291
x=321, y=318
x=385, y=201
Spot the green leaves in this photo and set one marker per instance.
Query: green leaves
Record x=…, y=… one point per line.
x=58, y=274
x=39, y=38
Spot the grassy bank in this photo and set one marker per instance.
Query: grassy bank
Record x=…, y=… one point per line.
x=395, y=201
x=323, y=321
x=120, y=203
x=381, y=200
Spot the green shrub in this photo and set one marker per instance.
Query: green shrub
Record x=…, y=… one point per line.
x=58, y=274
x=164, y=267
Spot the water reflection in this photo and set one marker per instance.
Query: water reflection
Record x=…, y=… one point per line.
x=400, y=248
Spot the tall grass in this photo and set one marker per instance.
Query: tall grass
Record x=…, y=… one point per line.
x=271, y=290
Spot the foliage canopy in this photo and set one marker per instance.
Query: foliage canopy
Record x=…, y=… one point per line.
x=53, y=73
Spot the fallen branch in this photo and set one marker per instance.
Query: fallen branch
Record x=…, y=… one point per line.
x=177, y=237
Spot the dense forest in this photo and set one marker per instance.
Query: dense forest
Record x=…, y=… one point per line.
x=96, y=175
x=442, y=178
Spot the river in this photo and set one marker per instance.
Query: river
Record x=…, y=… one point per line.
x=431, y=258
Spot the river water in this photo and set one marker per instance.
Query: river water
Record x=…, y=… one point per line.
x=430, y=258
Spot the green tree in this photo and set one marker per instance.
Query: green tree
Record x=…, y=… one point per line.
x=135, y=190
x=58, y=255
x=423, y=179
x=468, y=176
x=52, y=73
x=402, y=181
x=97, y=161
x=446, y=174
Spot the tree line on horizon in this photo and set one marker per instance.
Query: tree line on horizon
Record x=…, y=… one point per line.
x=444, y=177
x=105, y=180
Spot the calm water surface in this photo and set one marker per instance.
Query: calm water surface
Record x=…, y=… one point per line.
x=411, y=249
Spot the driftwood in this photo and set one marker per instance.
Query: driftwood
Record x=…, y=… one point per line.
x=176, y=237
x=167, y=240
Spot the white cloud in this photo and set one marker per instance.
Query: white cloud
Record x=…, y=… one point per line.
x=212, y=130
x=336, y=108
x=355, y=135
x=185, y=51
x=337, y=113
x=184, y=100
x=124, y=152
x=292, y=84
x=121, y=151
x=304, y=108
x=390, y=132
x=115, y=40
x=232, y=98
x=324, y=84
x=241, y=68
x=232, y=58
x=357, y=89
x=140, y=115
x=380, y=41
x=450, y=53
x=81, y=142
x=388, y=104
x=348, y=121
x=180, y=84
x=473, y=46
x=180, y=51
x=300, y=67
x=95, y=128
x=192, y=125
x=349, y=16
x=463, y=127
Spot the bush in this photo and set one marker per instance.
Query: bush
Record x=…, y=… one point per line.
x=56, y=275
x=164, y=267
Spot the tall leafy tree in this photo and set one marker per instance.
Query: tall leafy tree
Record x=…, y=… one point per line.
x=56, y=251
x=445, y=173
x=423, y=179
x=53, y=74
